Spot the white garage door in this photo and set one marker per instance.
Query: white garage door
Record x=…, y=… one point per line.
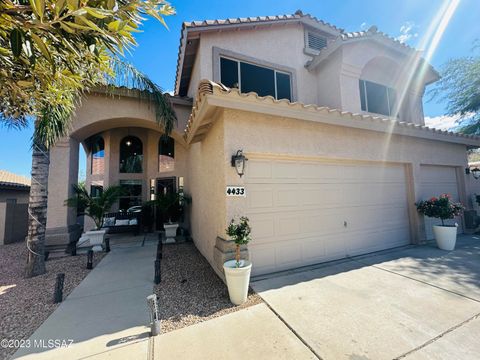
x=305, y=212
x=437, y=180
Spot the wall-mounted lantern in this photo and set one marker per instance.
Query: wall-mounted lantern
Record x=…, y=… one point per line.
x=476, y=173
x=238, y=162
x=152, y=189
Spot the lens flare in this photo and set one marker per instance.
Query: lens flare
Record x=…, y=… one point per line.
x=416, y=70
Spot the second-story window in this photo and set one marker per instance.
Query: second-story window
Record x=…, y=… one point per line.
x=261, y=80
x=166, y=154
x=377, y=98
x=98, y=156
x=131, y=155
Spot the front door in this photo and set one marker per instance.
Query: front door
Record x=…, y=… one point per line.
x=165, y=186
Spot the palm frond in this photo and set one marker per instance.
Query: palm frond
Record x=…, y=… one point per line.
x=53, y=123
x=126, y=75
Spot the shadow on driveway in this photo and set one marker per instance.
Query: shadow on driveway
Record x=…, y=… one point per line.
x=384, y=305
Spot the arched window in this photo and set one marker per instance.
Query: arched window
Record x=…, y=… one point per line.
x=166, y=154
x=98, y=155
x=131, y=155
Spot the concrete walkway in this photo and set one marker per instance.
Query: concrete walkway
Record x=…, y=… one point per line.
x=106, y=316
x=251, y=333
x=408, y=303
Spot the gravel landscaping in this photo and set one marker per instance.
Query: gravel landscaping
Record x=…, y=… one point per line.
x=26, y=303
x=190, y=291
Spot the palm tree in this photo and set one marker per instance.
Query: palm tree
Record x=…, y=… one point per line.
x=54, y=124
x=52, y=52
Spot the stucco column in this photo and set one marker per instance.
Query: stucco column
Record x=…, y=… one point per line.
x=419, y=235
x=62, y=227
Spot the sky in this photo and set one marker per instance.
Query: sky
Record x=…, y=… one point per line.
x=406, y=20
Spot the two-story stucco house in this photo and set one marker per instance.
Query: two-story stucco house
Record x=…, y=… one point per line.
x=331, y=123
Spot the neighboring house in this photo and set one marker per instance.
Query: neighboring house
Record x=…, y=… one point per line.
x=331, y=123
x=14, y=193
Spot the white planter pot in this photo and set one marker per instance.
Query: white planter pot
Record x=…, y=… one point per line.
x=238, y=280
x=96, y=238
x=446, y=236
x=170, y=232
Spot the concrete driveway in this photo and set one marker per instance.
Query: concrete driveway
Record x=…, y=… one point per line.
x=412, y=303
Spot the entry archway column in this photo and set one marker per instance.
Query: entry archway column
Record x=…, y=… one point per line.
x=62, y=227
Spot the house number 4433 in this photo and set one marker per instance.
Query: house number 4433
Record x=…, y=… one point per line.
x=236, y=191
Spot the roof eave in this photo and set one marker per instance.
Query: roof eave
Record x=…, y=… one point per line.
x=218, y=96
x=208, y=27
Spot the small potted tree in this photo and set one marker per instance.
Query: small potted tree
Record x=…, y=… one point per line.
x=95, y=207
x=442, y=208
x=237, y=271
x=170, y=206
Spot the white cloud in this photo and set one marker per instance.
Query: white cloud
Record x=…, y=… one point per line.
x=170, y=92
x=407, y=31
x=443, y=122
x=363, y=26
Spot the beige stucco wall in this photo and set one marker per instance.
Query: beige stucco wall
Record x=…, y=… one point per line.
x=63, y=173
x=99, y=114
x=150, y=166
x=369, y=60
x=328, y=82
x=263, y=135
x=206, y=163
x=282, y=45
x=335, y=82
x=20, y=195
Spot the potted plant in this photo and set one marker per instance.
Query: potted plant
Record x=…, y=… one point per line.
x=237, y=271
x=170, y=206
x=442, y=208
x=95, y=207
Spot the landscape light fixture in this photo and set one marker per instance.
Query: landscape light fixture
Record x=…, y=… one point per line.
x=238, y=162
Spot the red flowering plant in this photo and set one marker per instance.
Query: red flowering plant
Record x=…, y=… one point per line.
x=442, y=208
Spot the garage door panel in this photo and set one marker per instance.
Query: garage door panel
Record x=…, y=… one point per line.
x=314, y=248
x=385, y=216
x=324, y=221
x=260, y=197
x=286, y=196
x=262, y=227
x=289, y=253
x=263, y=258
x=298, y=218
x=373, y=194
x=364, y=242
x=437, y=180
x=327, y=194
x=276, y=227
x=288, y=225
x=285, y=170
x=260, y=170
x=317, y=172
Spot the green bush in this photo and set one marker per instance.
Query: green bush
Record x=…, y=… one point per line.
x=442, y=208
